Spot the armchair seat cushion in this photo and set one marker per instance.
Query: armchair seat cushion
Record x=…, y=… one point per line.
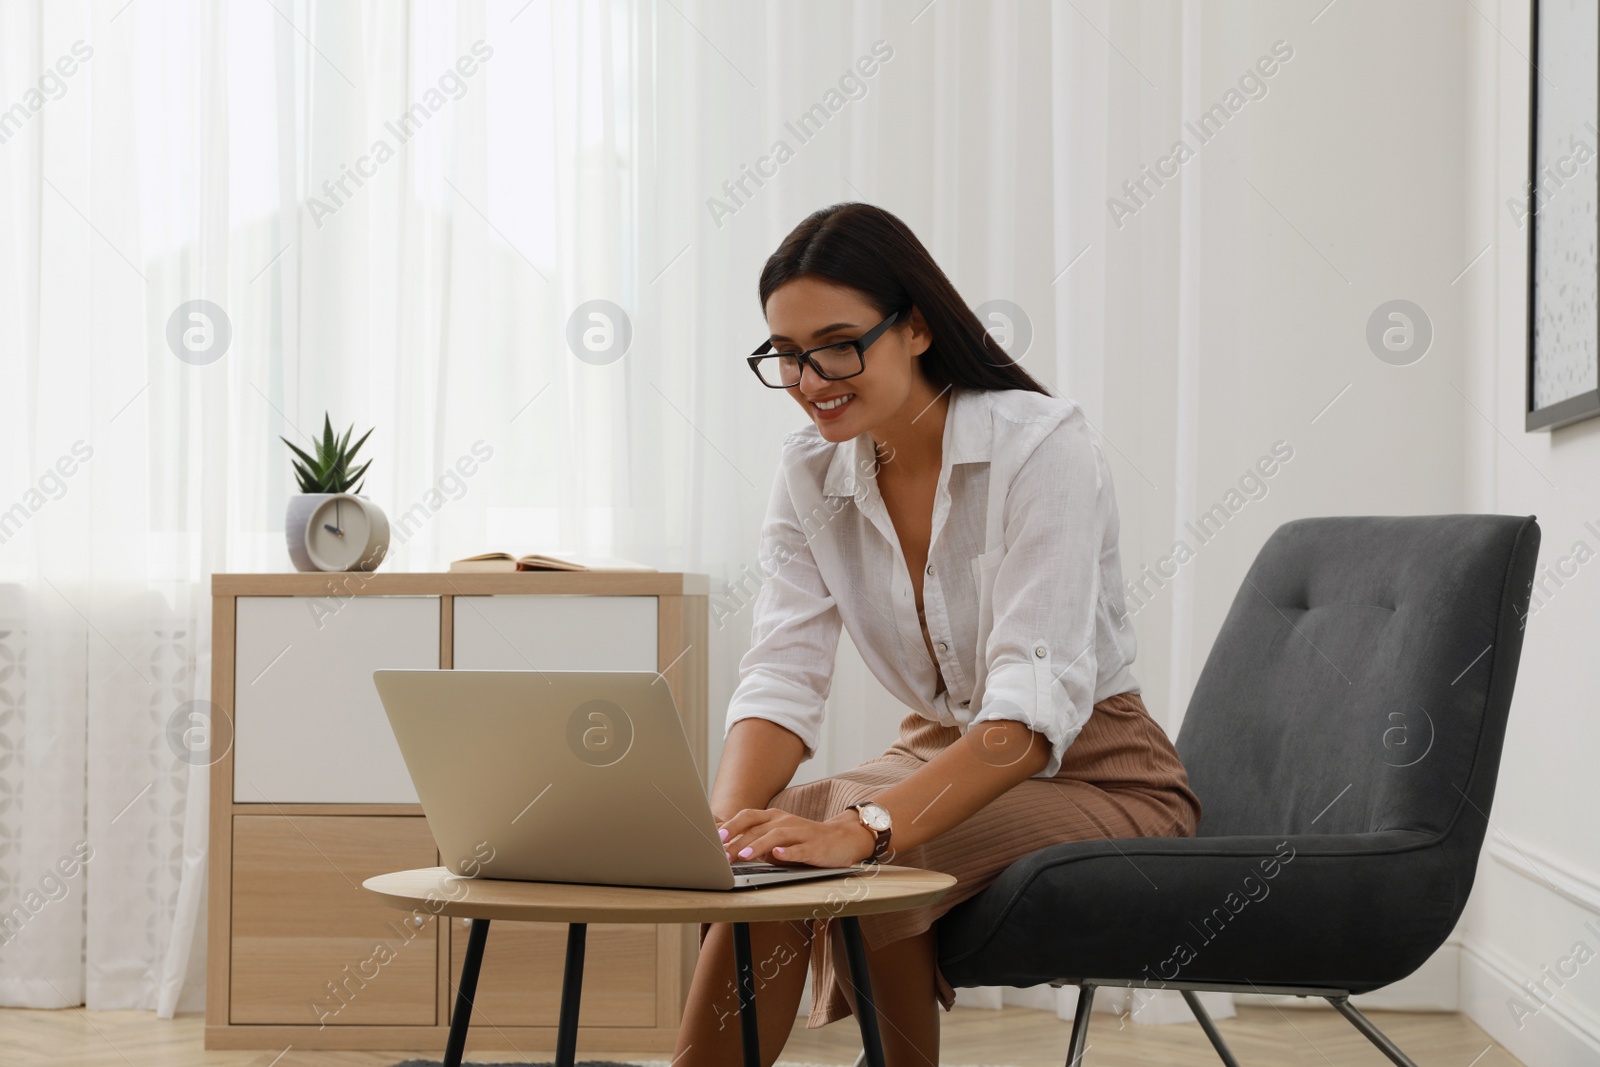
x=1347, y=911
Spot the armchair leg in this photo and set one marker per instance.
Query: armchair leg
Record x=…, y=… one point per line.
x=1203, y=1017
x=1373, y=1034
x=1080, y=1026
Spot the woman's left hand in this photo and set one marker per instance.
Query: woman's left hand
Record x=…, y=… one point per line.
x=771, y=835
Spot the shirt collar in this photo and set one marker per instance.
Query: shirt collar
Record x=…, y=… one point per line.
x=968, y=438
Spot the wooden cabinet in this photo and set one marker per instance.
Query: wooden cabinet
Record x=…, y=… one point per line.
x=520, y=983
x=310, y=946
x=308, y=725
x=501, y=633
x=310, y=796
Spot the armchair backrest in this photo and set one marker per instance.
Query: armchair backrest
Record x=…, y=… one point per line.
x=1362, y=678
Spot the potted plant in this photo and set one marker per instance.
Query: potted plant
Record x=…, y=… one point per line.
x=328, y=526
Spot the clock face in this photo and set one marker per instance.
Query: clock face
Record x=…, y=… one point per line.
x=339, y=535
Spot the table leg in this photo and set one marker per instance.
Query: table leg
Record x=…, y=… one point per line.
x=746, y=976
x=866, y=1007
x=466, y=989
x=571, y=990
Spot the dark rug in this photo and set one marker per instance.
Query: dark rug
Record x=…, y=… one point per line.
x=517, y=1063
x=657, y=1062
x=586, y=1063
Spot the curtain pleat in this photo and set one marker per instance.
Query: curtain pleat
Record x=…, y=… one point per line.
x=530, y=231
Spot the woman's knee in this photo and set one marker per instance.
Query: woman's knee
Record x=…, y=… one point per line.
x=767, y=931
x=775, y=945
x=892, y=967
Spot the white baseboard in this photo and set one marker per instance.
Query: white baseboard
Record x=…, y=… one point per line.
x=1435, y=986
x=1153, y=1006
x=1041, y=997
x=1163, y=1006
x=1561, y=1033
x=988, y=998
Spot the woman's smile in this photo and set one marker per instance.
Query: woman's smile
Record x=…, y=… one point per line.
x=831, y=407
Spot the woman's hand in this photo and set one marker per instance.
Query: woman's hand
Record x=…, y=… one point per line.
x=771, y=835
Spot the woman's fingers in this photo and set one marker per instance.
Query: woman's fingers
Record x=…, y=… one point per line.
x=750, y=834
x=738, y=831
x=742, y=821
x=783, y=836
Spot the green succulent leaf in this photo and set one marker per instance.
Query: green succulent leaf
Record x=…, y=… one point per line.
x=329, y=471
x=307, y=460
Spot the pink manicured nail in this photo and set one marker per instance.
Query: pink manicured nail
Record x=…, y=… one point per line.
x=778, y=850
x=722, y=834
x=747, y=852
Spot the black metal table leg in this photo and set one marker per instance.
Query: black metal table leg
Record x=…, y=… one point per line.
x=746, y=977
x=866, y=1007
x=466, y=989
x=571, y=991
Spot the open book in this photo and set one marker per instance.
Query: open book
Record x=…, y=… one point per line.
x=498, y=562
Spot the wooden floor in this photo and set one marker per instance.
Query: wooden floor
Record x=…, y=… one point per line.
x=1015, y=1036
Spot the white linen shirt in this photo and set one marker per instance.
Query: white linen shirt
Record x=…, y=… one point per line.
x=1059, y=640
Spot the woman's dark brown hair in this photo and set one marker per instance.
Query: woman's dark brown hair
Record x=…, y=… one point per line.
x=867, y=249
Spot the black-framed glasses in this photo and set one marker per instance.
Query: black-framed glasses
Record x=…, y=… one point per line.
x=842, y=359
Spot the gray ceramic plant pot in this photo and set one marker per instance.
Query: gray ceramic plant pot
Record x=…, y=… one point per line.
x=295, y=518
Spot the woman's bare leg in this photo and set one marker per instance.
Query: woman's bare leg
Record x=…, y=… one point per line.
x=710, y=1034
x=905, y=991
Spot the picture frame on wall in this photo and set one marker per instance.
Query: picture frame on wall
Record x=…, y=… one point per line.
x=1561, y=212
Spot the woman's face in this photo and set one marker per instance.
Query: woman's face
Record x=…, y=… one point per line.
x=807, y=312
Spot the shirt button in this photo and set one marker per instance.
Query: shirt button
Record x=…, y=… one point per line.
x=943, y=647
x=1039, y=652
x=930, y=568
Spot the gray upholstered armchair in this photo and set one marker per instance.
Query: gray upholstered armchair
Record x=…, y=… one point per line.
x=1343, y=738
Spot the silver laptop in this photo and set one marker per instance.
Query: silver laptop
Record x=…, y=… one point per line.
x=563, y=776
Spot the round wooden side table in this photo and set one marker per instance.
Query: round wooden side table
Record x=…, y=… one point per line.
x=872, y=890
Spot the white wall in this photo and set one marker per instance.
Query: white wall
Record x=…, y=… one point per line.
x=1395, y=149
x=1230, y=313
x=1538, y=889
x=1345, y=186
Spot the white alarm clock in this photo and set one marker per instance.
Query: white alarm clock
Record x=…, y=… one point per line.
x=346, y=532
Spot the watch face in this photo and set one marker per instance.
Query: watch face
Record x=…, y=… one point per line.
x=338, y=535
x=875, y=816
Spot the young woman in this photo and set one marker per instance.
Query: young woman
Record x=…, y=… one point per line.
x=994, y=612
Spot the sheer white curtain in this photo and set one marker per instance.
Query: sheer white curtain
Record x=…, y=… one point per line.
x=394, y=210
x=403, y=213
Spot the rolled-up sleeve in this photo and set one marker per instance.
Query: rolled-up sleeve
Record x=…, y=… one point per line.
x=1040, y=656
x=786, y=675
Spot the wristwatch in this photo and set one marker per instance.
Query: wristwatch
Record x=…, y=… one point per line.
x=875, y=817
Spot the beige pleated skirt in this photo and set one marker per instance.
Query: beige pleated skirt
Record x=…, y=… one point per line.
x=1120, y=777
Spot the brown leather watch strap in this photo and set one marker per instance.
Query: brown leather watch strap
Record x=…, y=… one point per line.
x=880, y=845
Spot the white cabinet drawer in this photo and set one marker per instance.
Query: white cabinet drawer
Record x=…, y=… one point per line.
x=570, y=633
x=308, y=725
